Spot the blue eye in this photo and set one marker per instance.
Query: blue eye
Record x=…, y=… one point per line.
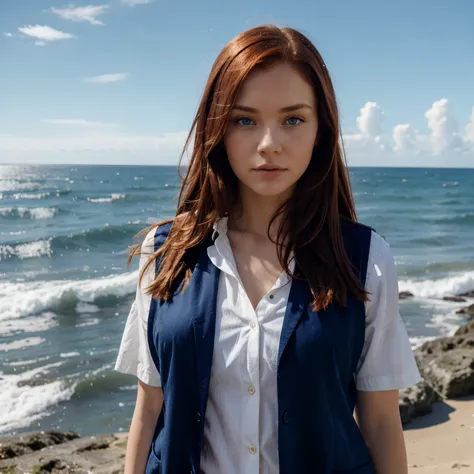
x=240, y=120
x=294, y=118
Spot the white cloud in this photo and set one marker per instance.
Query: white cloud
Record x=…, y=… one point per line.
x=404, y=137
x=40, y=43
x=136, y=2
x=442, y=146
x=443, y=126
x=8, y=35
x=44, y=33
x=370, y=120
x=79, y=123
x=106, y=78
x=470, y=127
x=88, y=13
x=370, y=135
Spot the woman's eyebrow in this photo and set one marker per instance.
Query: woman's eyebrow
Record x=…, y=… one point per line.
x=289, y=108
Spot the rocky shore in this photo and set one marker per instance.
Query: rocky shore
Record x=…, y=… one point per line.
x=446, y=364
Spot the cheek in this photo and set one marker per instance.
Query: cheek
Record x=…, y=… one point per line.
x=302, y=150
x=239, y=150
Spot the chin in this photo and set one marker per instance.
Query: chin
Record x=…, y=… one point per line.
x=271, y=189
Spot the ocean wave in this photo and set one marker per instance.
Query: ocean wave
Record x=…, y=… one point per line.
x=81, y=241
x=466, y=219
x=22, y=403
x=104, y=380
x=91, y=237
x=113, y=197
x=21, y=344
x=18, y=300
x=31, y=195
x=15, y=185
x=438, y=288
x=36, y=249
x=29, y=213
x=29, y=324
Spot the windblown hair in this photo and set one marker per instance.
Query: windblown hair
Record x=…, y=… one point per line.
x=311, y=217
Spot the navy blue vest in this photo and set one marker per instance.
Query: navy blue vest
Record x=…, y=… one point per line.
x=317, y=359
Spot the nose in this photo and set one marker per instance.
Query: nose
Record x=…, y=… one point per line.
x=269, y=142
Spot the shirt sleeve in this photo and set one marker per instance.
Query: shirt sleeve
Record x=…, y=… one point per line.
x=134, y=354
x=387, y=361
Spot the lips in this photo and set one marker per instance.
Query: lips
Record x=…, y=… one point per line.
x=269, y=168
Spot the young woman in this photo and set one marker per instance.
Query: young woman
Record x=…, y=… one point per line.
x=265, y=314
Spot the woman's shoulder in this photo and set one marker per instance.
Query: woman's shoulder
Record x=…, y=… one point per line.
x=159, y=232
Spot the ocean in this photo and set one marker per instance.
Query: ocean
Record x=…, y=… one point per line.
x=65, y=289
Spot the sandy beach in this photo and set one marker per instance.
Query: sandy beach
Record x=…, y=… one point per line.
x=442, y=441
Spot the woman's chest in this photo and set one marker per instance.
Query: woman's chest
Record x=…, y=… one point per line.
x=246, y=337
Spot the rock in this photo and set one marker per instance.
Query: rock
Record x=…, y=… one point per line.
x=52, y=452
x=447, y=363
x=468, y=310
x=466, y=329
x=17, y=446
x=403, y=295
x=416, y=401
x=455, y=299
x=468, y=294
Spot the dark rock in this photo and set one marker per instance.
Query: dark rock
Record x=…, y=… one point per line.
x=469, y=310
x=447, y=363
x=416, y=401
x=455, y=299
x=62, y=453
x=403, y=295
x=466, y=329
x=20, y=445
x=468, y=294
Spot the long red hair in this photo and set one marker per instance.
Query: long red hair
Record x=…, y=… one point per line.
x=322, y=197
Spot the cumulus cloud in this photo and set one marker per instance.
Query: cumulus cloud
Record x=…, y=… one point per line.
x=8, y=35
x=107, y=78
x=87, y=13
x=370, y=132
x=44, y=33
x=79, y=123
x=443, y=145
x=370, y=120
x=136, y=2
x=443, y=126
x=404, y=137
x=470, y=127
x=40, y=43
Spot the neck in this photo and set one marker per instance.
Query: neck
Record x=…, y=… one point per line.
x=255, y=212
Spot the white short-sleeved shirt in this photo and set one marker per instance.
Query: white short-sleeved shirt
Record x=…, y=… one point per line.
x=240, y=429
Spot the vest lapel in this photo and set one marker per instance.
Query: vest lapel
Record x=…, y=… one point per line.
x=204, y=298
x=298, y=301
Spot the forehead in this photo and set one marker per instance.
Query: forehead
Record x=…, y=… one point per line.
x=279, y=85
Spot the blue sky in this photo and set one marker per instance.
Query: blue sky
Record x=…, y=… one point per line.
x=118, y=81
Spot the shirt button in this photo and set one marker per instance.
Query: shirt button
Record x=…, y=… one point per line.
x=252, y=324
x=252, y=449
x=198, y=417
x=251, y=389
x=272, y=296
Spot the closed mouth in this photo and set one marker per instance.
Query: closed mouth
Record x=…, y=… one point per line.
x=269, y=168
